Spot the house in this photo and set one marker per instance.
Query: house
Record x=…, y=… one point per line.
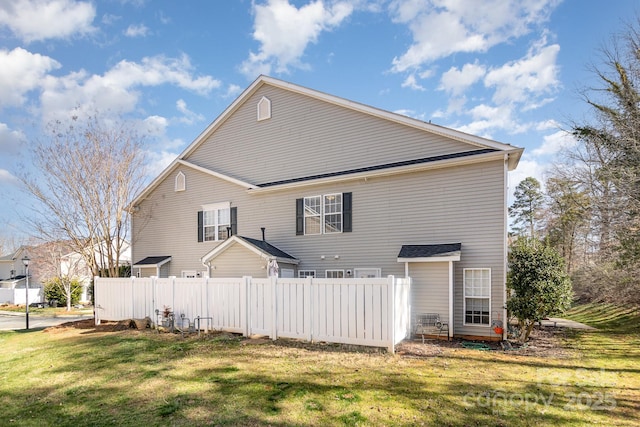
x=331, y=188
x=12, y=269
x=73, y=264
x=13, y=279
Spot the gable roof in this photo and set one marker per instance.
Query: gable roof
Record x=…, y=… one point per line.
x=15, y=255
x=260, y=247
x=512, y=154
x=153, y=261
x=430, y=253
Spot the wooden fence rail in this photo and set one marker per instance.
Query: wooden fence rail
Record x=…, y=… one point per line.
x=370, y=312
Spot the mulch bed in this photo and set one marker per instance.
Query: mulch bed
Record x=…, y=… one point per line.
x=543, y=342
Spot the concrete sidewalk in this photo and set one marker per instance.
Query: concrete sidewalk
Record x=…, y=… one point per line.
x=60, y=315
x=566, y=323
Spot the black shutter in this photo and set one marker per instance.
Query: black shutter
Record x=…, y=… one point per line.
x=299, y=217
x=234, y=221
x=200, y=227
x=347, y=216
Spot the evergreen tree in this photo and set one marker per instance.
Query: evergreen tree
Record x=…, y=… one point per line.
x=527, y=206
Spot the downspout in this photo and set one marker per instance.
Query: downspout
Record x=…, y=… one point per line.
x=505, y=247
x=406, y=270
x=208, y=265
x=450, y=299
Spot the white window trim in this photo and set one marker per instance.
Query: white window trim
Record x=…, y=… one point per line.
x=215, y=207
x=334, y=270
x=301, y=274
x=358, y=270
x=464, y=299
x=304, y=217
x=323, y=214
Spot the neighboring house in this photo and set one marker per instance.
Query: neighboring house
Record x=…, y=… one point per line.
x=13, y=276
x=342, y=190
x=12, y=269
x=73, y=265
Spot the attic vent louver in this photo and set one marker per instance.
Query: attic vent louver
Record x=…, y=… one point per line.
x=264, y=109
x=181, y=182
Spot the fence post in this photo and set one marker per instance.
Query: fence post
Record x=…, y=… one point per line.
x=392, y=313
x=308, y=307
x=245, y=305
x=96, y=306
x=273, y=282
x=133, y=298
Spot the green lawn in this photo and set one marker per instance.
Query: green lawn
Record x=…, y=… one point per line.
x=72, y=377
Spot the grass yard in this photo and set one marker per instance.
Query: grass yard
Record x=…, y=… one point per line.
x=77, y=377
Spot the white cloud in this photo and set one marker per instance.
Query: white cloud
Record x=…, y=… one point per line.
x=155, y=125
x=188, y=116
x=526, y=168
x=411, y=83
x=10, y=140
x=157, y=161
x=34, y=20
x=455, y=81
x=233, y=91
x=139, y=30
x=118, y=89
x=555, y=143
x=535, y=74
x=7, y=177
x=284, y=32
x=21, y=72
x=444, y=27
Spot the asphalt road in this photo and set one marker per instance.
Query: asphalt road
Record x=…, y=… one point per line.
x=15, y=322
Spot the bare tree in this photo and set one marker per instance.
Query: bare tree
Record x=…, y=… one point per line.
x=53, y=267
x=87, y=173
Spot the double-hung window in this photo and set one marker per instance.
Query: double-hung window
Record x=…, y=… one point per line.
x=215, y=221
x=324, y=214
x=477, y=296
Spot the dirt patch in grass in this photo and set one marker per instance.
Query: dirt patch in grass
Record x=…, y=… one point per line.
x=544, y=341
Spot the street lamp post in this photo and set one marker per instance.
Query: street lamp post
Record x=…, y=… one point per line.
x=26, y=261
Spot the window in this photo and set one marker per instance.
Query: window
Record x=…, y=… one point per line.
x=306, y=273
x=215, y=221
x=334, y=274
x=312, y=214
x=181, y=182
x=325, y=214
x=332, y=213
x=264, y=108
x=477, y=296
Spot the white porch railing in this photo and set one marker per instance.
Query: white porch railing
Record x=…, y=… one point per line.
x=370, y=312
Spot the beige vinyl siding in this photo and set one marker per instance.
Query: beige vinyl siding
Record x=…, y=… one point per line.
x=306, y=136
x=455, y=204
x=237, y=261
x=430, y=289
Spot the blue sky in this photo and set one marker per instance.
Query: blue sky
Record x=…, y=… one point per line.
x=502, y=69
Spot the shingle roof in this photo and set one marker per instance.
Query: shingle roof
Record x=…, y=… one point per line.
x=427, y=251
x=382, y=166
x=267, y=247
x=153, y=260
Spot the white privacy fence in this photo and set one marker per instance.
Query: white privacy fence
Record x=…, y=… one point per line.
x=19, y=296
x=371, y=312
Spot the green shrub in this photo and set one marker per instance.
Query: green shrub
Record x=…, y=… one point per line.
x=54, y=289
x=538, y=283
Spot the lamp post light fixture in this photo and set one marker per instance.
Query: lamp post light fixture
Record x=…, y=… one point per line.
x=26, y=261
